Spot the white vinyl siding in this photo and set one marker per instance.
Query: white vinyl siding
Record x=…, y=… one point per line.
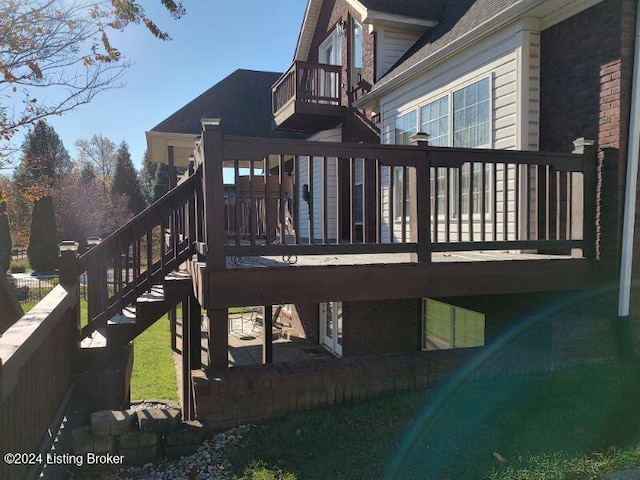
x=498, y=58
x=395, y=44
x=316, y=188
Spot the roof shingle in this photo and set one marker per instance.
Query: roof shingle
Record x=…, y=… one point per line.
x=427, y=9
x=242, y=101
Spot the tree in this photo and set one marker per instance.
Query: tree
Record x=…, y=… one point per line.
x=84, y=209
x=43, y=239
x=101, y=153
x=44, y=160
x=5, y=238
x=125, y=180
x=61, y=48
x=153, y=179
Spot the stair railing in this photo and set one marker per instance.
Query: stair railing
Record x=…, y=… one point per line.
x=140, y=253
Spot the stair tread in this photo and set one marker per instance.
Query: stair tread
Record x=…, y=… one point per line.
x=96, y=340
x=178, y=277
x=156, y=294
x=126, y=317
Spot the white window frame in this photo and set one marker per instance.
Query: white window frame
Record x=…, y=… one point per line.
x=453, y=181
x=456, y=316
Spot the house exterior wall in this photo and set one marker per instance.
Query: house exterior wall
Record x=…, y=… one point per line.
x=321, y=175
x=392, y=44
x=586, y=72
x=509, y=59
x=381, y=327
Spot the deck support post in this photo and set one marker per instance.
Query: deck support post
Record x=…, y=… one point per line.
x=69, y=280
x=267, y=335
x=218, y=338
x=588, y=150
x=213, y=195
x=420, y=202
x=190, y=311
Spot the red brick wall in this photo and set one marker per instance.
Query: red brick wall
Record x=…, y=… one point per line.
x=585, y=85
x=358, y=126
x=388, y=326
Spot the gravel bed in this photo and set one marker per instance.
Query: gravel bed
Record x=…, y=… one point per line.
x=208, y=462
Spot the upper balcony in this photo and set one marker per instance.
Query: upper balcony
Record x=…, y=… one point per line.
x=307, y=97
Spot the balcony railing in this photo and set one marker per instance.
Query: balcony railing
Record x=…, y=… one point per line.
x=307, y=93
x=338, y=198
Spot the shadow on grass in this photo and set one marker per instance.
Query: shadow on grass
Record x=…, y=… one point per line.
x=538, y=421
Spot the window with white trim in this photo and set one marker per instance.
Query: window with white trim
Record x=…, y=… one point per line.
x=467, y=113
x=446, y=326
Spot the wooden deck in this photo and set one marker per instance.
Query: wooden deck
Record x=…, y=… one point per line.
x=318, y=278
x=384, y=259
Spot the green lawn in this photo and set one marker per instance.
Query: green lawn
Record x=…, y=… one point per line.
x=154, y=374
x=572, y=425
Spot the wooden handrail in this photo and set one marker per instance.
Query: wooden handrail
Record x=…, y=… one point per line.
x=140, y=253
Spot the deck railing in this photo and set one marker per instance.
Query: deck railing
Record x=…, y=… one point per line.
x=310, y=198
x=138, y=255
x=308, y=82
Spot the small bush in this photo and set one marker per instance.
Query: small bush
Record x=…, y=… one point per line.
x=19, y=265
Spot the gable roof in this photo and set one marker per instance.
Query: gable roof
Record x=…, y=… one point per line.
x=242, y=101
x=412, y=14
x=459, y=18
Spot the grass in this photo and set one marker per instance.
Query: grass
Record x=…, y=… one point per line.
x=154, y=374
x=571, y=425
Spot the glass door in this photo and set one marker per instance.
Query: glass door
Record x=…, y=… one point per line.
x=331, y=326
x=330, y=52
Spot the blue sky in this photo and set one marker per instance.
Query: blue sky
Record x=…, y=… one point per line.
x=213, y=39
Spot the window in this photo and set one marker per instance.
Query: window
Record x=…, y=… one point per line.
x=446, y=326
x=471, y=115
x=406, y=126
x=434, y=118
x=470, y=122
x=356, y=53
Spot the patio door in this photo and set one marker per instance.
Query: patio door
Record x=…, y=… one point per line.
x=331, y=326
x=330, y=53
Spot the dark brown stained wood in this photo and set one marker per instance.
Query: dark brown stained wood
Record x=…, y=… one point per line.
x=195, y=332
x=494, y=198
x=238, y=208
x=218, y=330
x=470, y=219
x=590, y=165
x=528, y=202
x=267, y=335
x=505, y=245
x=296, y=198
x=281, y=200
x=310, y=202
x=459, y=201
x=447, y=205
x=319, y=249
x=378, y=181
x=265, y=195
x=249, y=148
x=505, y=201
x=405, y=194
x=423, y=209
x=392, y=183
x=516, y=203
x=252, y=205
x=187, y=399
x=456, y=157
x=397, y=281
x=352, y=207
x=214, y=196
x=483, y=202
x=325, y=200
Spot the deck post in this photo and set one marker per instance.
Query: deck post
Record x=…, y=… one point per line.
x=588, y=150
x=218, y=338
x=69, y=279
x=213, y=194
x=267, y=335
x=420, y=202
x=96, y=281
x=195, y=339
x=187, y=397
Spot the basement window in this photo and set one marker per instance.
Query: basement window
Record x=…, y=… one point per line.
x=446, y=326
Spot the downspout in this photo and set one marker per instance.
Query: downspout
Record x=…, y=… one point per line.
x=628, y=223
